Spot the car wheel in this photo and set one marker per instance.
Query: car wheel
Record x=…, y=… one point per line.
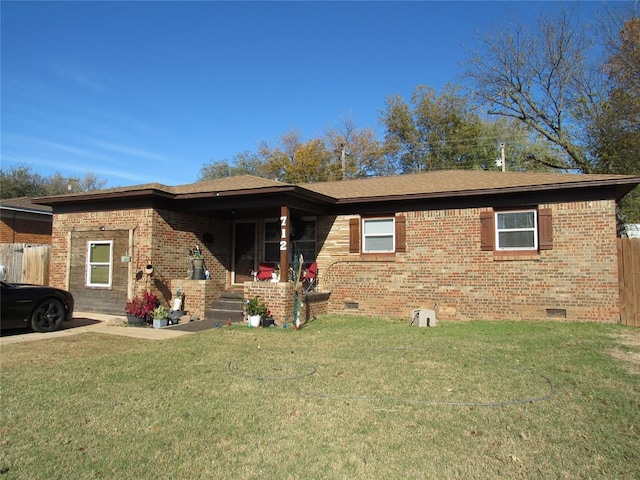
x=48, y=316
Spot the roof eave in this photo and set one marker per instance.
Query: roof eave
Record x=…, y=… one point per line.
x=100, y=196
x=25, y=210
x=622, y=187
x=292, y=189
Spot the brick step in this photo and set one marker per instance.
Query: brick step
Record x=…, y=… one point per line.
x=222, y=316
x=233, y=293
x=230, y=306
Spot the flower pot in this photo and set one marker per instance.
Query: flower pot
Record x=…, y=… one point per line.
x=163, y=322
x=197, y=262
x=253, y=320
x=134, y=321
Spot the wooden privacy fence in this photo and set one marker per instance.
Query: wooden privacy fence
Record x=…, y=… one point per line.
x=25, y=263
x=629, y=280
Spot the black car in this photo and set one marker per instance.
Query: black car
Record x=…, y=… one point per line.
x=39, y=307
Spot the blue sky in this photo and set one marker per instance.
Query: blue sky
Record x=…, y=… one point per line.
x=139, y=92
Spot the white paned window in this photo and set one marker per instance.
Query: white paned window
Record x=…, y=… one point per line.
x=517, y=230
x=99, y=263
x=378, y=235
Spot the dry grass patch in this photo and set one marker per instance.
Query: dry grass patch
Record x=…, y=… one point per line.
x=628, y=349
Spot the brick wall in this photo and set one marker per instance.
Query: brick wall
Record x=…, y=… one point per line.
x=174, y=234
x=161, y=238
x=24, y=230
x=198, y=295
x=443, y=263
x=69, y=228
x=278, y=297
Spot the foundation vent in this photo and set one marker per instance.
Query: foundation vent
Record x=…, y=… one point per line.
x=556, y=312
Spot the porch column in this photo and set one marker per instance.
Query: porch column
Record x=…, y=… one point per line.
x=285, y=229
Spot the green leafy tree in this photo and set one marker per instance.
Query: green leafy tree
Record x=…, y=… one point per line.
x=21, y=181
x=444, y=132
x=429, y=134
x=59, y=185
x=359, y=152
x=245, y=163
x=296, y=161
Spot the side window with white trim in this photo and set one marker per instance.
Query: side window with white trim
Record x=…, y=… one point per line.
x=99, y=263
x=378, y=235
x=517, y=230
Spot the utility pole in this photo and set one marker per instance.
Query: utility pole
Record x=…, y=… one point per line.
x=502, y=161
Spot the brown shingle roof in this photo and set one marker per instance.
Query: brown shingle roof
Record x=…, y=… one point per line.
x=25, y=204
x=434, y=184
x=228, y=184
x=454, y=182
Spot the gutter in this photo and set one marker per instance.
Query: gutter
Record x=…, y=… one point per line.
x=25, y=210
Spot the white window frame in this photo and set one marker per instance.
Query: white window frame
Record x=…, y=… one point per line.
x=365, y=236
x=533, y=229
x=90, y=264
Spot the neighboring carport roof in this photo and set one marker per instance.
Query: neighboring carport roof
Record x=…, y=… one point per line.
x=26, y=205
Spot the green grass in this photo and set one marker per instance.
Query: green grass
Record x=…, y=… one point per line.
x=342, y=398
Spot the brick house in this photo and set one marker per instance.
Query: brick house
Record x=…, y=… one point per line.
x=474, y=244
x=22, y=221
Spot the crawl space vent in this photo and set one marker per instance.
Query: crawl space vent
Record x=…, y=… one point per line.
x=556, y=312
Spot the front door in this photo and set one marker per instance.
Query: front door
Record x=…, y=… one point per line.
x=244, y=251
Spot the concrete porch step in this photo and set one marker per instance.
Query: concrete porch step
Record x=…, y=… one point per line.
x=229, y=306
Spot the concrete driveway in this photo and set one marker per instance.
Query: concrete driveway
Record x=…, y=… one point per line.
x=91, y=322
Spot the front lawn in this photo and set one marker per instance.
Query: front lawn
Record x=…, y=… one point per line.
x=343, y=398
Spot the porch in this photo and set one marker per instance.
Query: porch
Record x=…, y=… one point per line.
x=201, y=297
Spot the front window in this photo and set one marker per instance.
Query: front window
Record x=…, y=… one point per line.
x=272, y=241
x=303, y=239
x=378, y=235
x=99, y=260
x=517, y=230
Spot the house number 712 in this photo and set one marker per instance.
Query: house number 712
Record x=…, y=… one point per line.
x=283, y=232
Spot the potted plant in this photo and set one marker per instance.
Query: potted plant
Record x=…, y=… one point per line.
x=196, y=257
x=197, y=264
x=160, y=316
x=256, y=309
x=139, y=309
